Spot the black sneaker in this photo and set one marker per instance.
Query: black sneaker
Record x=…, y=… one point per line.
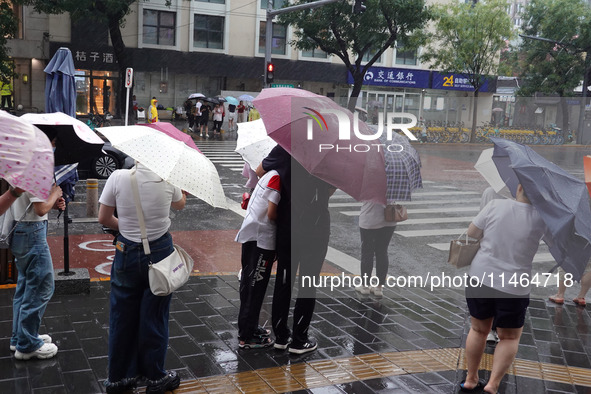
x=261, y=332
x=122, y=386
x=282, y=343
x=302, y=348
x=168, y=383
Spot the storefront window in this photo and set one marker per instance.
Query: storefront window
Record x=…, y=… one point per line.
x=95, y=91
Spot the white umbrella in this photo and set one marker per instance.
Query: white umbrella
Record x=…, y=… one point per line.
x=253, y=143
x=170, y=159
x=487, y=168
x=246, y=97
x=196, y=95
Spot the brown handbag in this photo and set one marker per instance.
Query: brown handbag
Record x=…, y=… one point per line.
x=395, y=213
x=461, y=253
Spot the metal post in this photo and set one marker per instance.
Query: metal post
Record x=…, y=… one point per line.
x=268, y=39
x=583, y=102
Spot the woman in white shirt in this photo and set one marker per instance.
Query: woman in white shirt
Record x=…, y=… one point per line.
x=138, y=321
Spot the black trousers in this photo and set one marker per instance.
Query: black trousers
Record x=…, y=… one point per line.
x=256, y=270
x=306, y=253
x=374, y=242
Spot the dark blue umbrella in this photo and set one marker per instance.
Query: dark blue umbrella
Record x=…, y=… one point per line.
x=561, y=199
x=60, y=85
x=60, y=96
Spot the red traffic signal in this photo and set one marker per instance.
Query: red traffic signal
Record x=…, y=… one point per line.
x=270, y=72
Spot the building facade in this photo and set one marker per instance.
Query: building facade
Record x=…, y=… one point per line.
x=216, y=47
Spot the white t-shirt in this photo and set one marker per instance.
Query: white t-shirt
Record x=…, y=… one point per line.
x=372, y=216
x=256, y=225
x=512, y=234
x=21, y=204
x=198, y=105
x=156, y=196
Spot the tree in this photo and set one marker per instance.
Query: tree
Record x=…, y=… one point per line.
x=337, y=31
x=8, y=27
x=555, y=65
x=110, y=12
x=467, y=40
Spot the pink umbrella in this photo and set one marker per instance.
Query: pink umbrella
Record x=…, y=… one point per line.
x=26, y=156
x=171, y=131
x=321, y=136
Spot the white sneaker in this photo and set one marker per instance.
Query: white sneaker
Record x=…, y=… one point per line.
x=48, y=350
x=44, y=337
x=364, y=290
x=492, y=337
x=377, y=291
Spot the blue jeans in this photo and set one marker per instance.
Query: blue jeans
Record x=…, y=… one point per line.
x=34, y=286
x=138, y=321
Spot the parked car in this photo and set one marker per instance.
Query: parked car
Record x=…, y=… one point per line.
x=102, y=166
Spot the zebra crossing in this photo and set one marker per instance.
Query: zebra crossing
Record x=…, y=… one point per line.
x=437, y=214
x=221, y=153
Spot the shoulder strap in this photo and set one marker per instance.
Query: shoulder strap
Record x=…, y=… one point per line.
x=16, y=221
x=140, y=214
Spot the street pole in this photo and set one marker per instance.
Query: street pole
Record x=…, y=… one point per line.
x=269, y=27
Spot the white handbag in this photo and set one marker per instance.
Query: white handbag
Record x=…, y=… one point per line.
x=169, y=274
x=8, y=225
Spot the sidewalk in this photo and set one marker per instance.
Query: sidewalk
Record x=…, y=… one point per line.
x=409, y=341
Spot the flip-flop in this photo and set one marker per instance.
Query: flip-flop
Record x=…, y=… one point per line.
x=476, y=389
x=557, y=300
x=580, y=302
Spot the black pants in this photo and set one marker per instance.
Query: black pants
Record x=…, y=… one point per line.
x=191, y=119
x=217, y=126
x=308, y=254
x=256, y=270
x=375, y=242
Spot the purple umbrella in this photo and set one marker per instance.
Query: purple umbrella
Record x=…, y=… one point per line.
x=173, y=132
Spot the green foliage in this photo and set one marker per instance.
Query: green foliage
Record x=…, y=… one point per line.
x=468, y=38
x=549, y=67
x=337, y=31
x=8, y=27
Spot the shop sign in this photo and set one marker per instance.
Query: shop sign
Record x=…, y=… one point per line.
x=394, y=77
x=281, y=85
x=449, y=81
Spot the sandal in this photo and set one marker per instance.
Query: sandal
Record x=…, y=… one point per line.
x=580, y=301
x=476, y=389
x=256, y=343
x=557, y=300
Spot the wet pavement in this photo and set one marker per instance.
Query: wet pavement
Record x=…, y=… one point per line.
x=408, y=342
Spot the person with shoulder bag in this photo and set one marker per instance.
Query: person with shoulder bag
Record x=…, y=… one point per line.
x=376, y=225
x=138, y=321
x=35, y=284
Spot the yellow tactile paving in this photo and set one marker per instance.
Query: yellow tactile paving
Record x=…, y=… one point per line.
x=309, y=375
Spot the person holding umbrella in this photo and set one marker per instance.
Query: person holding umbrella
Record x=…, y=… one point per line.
x=510, y=232
x=35, y=284
x=138, y=321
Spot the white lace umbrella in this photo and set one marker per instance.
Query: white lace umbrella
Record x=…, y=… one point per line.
x=26, y=156
x=170, y=159
x=253, y=143
x=487, y=168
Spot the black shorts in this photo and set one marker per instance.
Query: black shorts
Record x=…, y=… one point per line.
x=509, y=312
x=203, y=121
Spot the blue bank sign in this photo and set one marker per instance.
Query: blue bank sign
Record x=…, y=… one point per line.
x=449, y=81
x=394, y=77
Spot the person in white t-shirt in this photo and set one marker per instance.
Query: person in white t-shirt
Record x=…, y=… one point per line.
x=510, y=232
x=138, y=320
x=257, y=235
x=35, y=284
x=376, y=234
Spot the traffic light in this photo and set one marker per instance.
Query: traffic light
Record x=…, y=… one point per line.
x=359, y=6
x=270, y=72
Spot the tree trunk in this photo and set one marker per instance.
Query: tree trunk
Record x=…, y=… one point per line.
x=122, y=62
x=474, y=115
x=357, y=85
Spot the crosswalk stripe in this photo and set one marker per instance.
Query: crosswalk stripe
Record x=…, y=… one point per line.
x=431, y=233
x=540, y=257
x=405, y=203
x=466, y=219
x=425, y=210
x=227, y=161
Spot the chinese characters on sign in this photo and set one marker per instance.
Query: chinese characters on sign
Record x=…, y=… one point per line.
x=398, y=77
x=94, y=57
x=455, y=82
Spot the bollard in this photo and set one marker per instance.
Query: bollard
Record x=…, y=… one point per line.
x=92, y=198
